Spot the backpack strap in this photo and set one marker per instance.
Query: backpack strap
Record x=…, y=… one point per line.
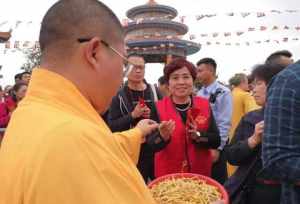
x=154, y=92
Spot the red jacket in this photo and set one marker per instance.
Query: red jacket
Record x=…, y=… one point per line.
x=181, y=152
x=10, y=103
x=4, y=115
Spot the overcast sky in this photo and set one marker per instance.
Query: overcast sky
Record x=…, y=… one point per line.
x=230, y=59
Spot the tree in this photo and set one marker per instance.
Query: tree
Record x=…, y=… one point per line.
x=33, y=58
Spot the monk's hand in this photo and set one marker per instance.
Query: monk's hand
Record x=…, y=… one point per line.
x=166, y=129
x=147, y=126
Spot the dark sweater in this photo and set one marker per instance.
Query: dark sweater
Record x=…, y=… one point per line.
x=120, y=119
x=240, y=154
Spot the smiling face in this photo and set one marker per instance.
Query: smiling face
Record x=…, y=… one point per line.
x=259, y=92
x=181, y=83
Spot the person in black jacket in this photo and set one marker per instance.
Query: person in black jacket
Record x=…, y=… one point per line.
x=136, y=101
x=244, y=150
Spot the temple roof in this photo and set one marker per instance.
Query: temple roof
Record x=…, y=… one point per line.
x=189, y=46
x=154, y=35
x=151, y=7
x=158, y=23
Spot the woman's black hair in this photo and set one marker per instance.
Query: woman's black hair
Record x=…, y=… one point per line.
x=15, y=89
x=266, y=72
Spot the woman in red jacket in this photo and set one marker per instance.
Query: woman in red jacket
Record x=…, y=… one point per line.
x=195, y=133
x=11, y=102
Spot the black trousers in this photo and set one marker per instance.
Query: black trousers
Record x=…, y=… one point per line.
x=146, y=168
x=219, y=169
x=146, y=163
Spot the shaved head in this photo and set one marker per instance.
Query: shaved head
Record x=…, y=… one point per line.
x=68, y=20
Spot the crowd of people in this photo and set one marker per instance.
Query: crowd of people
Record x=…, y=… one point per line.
x=80, y=135
x=10, y=96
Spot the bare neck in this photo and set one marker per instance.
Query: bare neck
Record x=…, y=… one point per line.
x=210, y=81
x=68, y=74
x=137, y=86
x=181, y=100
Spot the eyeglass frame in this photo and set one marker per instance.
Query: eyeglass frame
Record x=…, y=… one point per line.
x=126, y=60
x=83, y=40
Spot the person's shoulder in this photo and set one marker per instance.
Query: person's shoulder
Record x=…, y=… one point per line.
x=200, y=99
x=292, y=72
x=120, y=93
x=70, y=130
x=46, y=117
x=163, y=100
x=254, y=116
x=199, y=92
x=257, y=112
x=288, y=78
x=246, y=94
x=222, y=87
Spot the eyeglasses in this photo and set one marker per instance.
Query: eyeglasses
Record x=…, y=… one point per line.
x=126, y=64
x=83, y=40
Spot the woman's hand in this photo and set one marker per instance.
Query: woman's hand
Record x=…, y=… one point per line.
x=193, y=132
x=166, y=129
x=256, y=138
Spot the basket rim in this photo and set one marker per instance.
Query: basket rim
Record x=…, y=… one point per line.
x=210, y=181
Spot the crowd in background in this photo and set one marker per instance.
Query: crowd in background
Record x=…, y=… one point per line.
x=223, y=142
x=10, y=96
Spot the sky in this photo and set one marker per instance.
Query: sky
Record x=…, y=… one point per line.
x=230, y=59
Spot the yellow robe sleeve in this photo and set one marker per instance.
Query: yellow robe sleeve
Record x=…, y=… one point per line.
x=130, y=141
x=76, y=168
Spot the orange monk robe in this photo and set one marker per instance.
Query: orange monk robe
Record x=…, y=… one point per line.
x=57, y=150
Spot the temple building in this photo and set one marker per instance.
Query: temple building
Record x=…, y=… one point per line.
x=152, y=33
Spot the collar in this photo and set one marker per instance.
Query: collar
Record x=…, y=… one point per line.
x=237, y=89
x=144, y=80
x=210, y=88
x=51, y=88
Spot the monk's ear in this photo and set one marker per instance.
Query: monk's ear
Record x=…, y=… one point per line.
x=92, y=51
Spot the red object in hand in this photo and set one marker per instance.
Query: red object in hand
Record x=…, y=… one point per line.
x=198, y=119
x=192, y=113
x=142, y=102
